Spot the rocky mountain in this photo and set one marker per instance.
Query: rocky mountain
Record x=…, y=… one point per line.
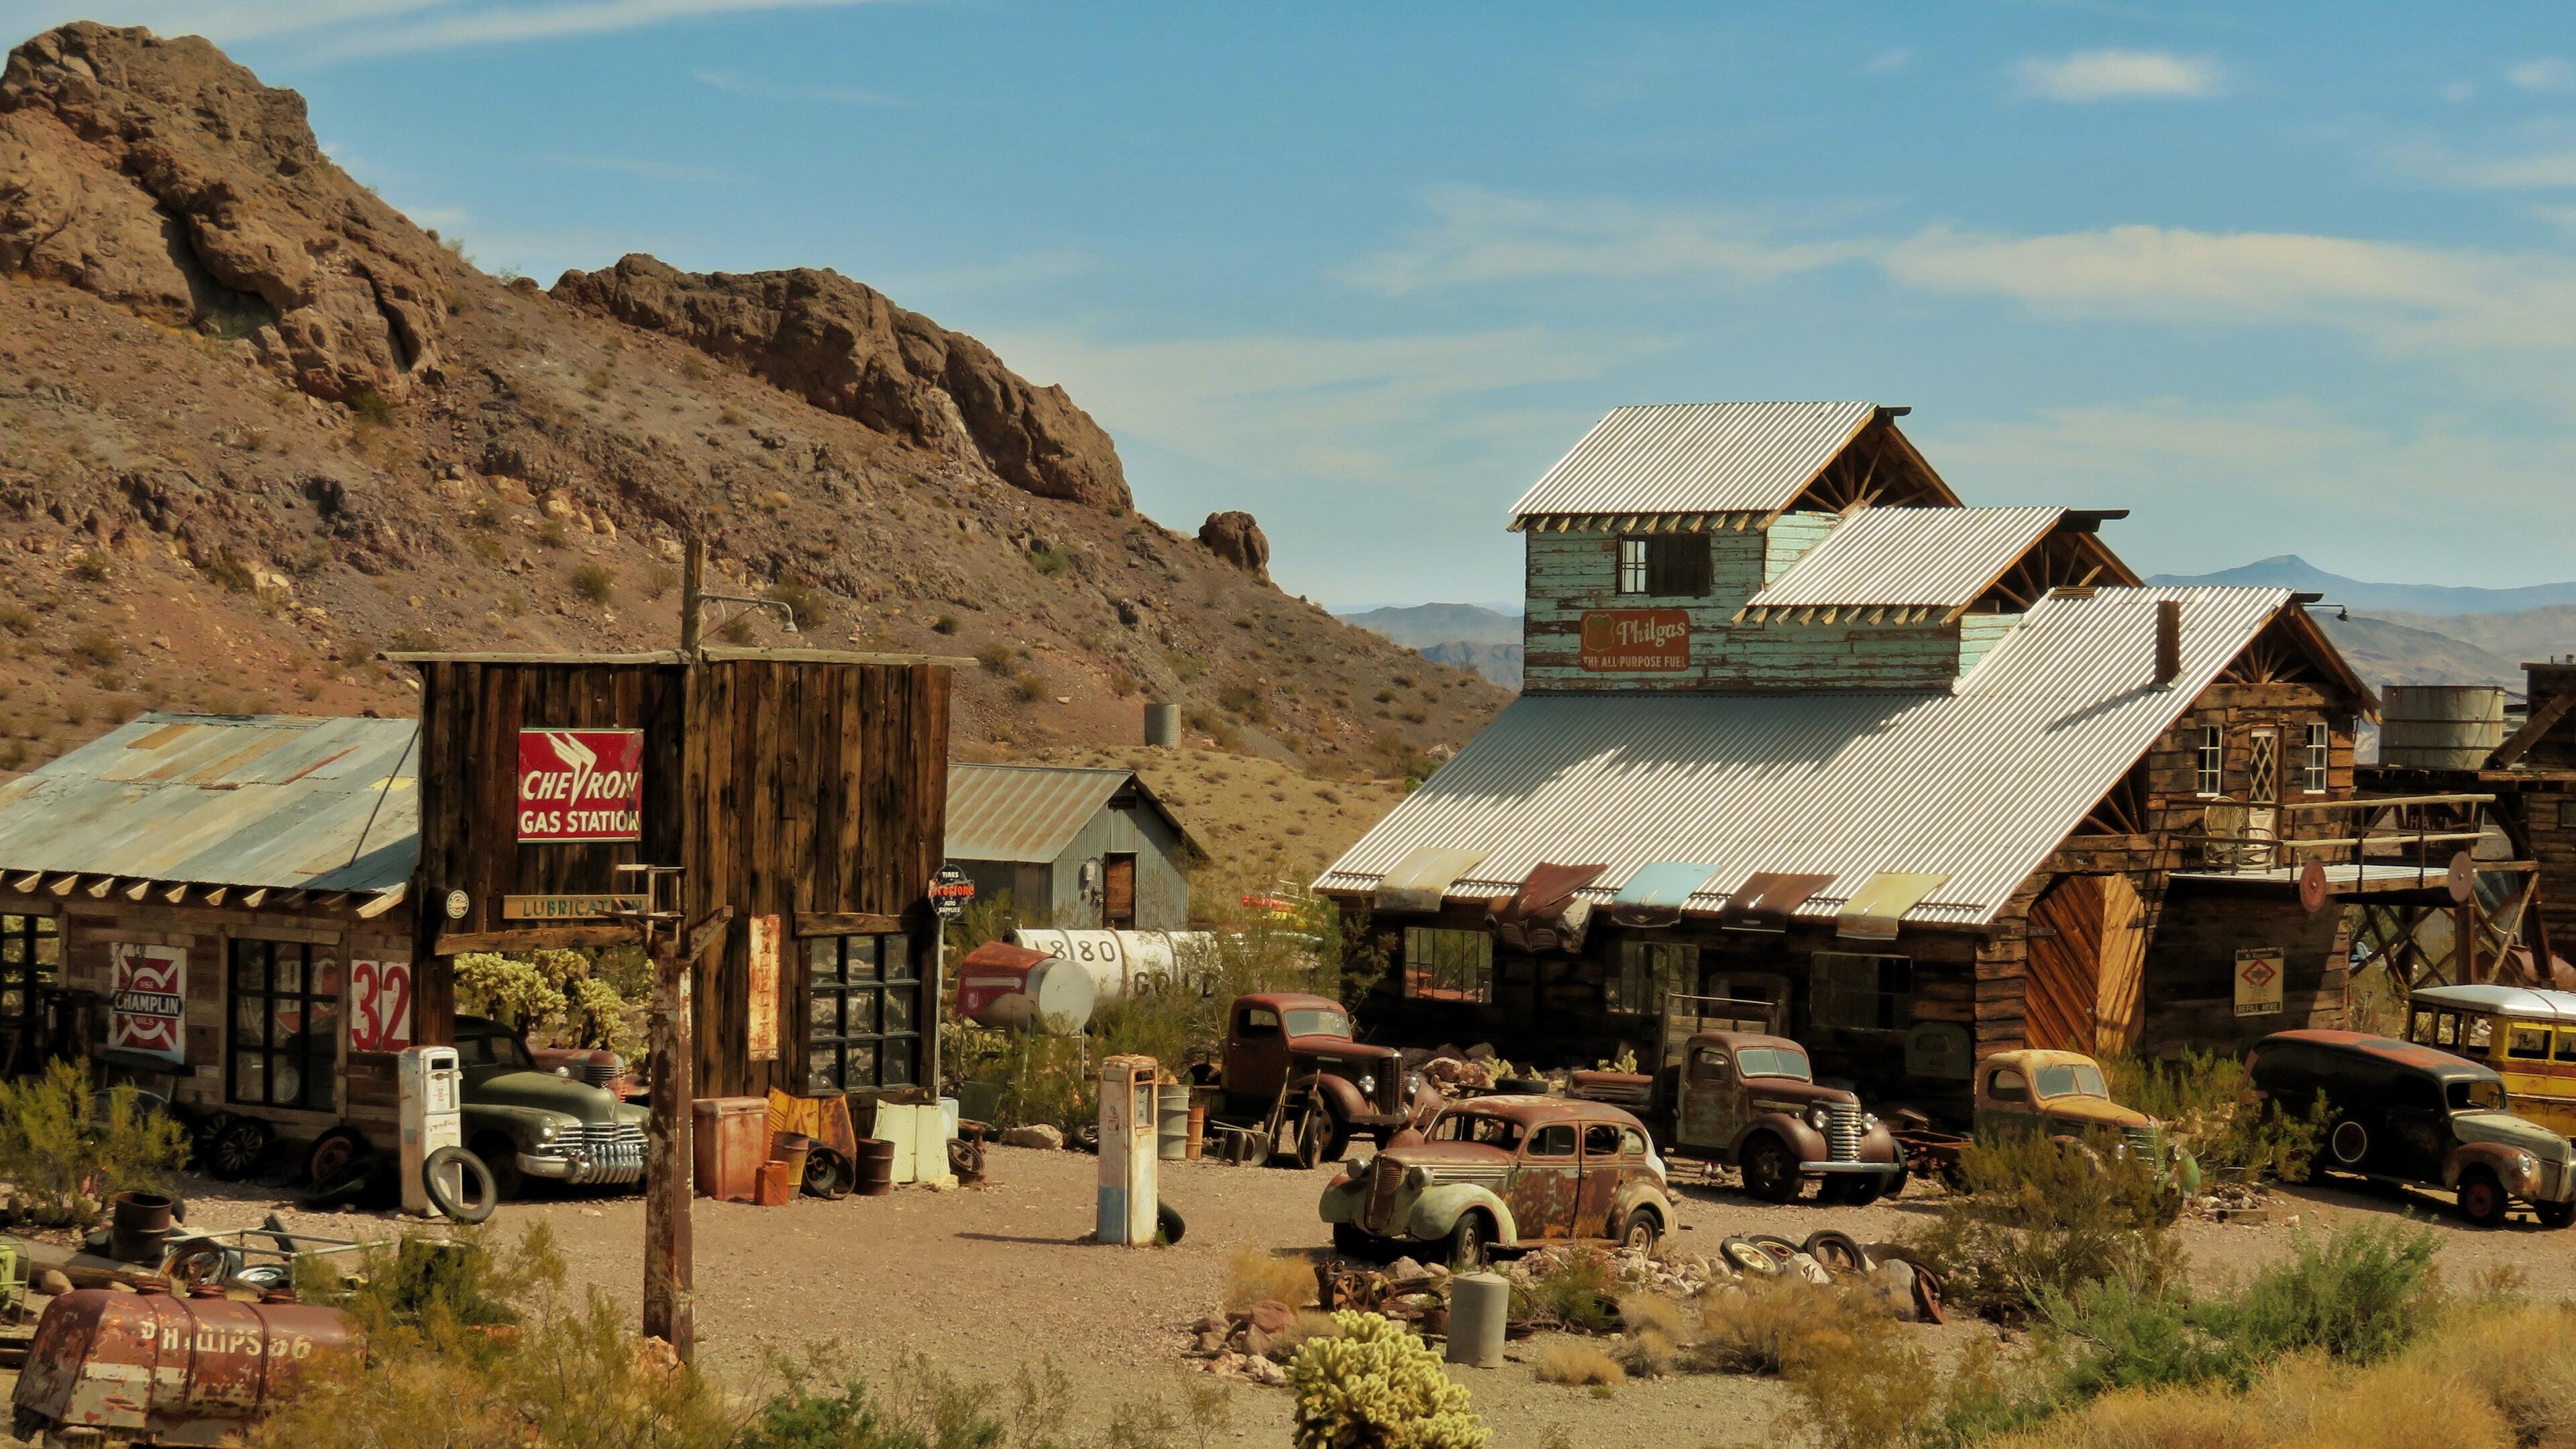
x=2424, y=633
x=2289, y=571
x=260, y=427
x=1469, y=636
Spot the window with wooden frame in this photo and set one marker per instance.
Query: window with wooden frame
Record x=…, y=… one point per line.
x=2316, y=774
x=1854, y=992
x=2210, y=762
x=1671, y=566
x=1632, y=565
x=862, y=1013
x=31, y=959
x=283, y=1034
x=2263, y=767
x=1648, y=970
x=1448, y=965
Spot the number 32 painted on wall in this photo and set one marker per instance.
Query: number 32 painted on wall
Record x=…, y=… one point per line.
x=379, y=1006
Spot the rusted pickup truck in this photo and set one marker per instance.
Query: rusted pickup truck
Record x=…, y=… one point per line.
x=1504, y=1171
x=1751, y=1101
x=1290, y=1060
x=2058, y=1094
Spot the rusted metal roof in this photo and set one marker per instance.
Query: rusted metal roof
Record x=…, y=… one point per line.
x=1905, y=557
x=1721, y=457
x=1031, y=813
x=1978, y=783
x=272, y=801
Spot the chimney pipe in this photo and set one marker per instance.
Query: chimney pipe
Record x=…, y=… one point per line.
x=2168, y=642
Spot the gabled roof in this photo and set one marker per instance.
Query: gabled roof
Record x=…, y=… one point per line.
x=1940, y=557
x=275, y=801
x=1032, y=813
x=1978, y=784
x=1719, y=457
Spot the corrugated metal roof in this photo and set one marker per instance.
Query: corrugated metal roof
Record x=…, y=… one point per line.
x=1032, y=812
x=1942, y=557
x=257, y=800
x=1697, y=458
x=1980, y=783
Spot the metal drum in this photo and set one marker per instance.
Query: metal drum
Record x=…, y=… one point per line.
x=153, y=1367
x=1479, y=1307
x=2440, y=726
x=1172, y=1122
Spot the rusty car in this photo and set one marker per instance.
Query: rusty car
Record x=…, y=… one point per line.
x=157, y=1368
x=1290, y=1060
x=1504, y=1172
x=1750, y=1101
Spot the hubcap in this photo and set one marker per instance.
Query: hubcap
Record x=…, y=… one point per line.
x=2351, y=1141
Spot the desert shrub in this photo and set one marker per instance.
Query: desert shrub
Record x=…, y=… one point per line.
x=1252, y=1275
x=67, y=1153
x=98, y=647
x=1572, y=1290
x=1767, y=1326
x=1049, y=561
x=1030, y=687
x=812, y=607
x=1579, y=1365
x=555, y=533
x=92, y=567
x=2519, y=1357
x=594, y=582
x=1375, y=1386
x=2209, y=1103
x=2041, y=1217
x=736, y=630
x=944, y=624
x=996, y=658
x=373, y=407
x=659, y=579
x=552, y=991
x=1244, y=701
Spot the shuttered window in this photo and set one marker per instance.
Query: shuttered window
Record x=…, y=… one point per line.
x=862, y=1013
x=1448, y=965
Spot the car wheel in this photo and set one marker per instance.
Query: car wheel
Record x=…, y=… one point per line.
x=237, y=1147
x=1322, y=1136
x=331, y=1152
x=1468, y=1242
x=2482, y=1199
x=1769, y=1172
x=1641, y=1232
x=2555, y=1214
x=501, y=1161
x=2348, y=1142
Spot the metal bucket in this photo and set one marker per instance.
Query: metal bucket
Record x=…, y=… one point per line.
x=1198, y=1131
x=875, y=1166
x=791, y=1148
x=1172, y=1122
x=1479, y=1308
x=2440, y=726
x=138, y=1227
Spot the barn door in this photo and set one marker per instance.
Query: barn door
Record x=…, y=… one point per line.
x=2088, y=948
x=1118, y=892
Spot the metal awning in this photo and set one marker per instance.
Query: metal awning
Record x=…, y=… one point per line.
x=1765, y=900
x=1657, y=894
x=1873, y=911
x=1548, y=891
x=1421, y=880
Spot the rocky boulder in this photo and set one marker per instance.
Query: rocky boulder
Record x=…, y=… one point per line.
x=161, y=176
x=845, y=347
x=1236, y=538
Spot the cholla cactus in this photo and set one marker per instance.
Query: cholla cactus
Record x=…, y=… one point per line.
x=1372, y=1385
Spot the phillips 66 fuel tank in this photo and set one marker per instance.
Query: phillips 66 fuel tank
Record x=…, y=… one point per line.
x=157, y=1369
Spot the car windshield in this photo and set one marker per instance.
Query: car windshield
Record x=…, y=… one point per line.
x=1774, y=1062
x=1318, y=1022
x=2475, y=1096
x=2070, y=1079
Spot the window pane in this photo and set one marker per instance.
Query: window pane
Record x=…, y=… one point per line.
x=898, y=1009
x=13, y=947
x=896, y=952
x=898, y=1062
x=249, y=1012
x=861, y=952
x=250, y=1077
x=823, y=1014
x=823, y=1069
x=285, y=1081
x=2528, y=1042
x=13, y=1004
x=288, y=973
x=322, y=1030
x=250, y=966
x=325, y=978
x=861, y=1070
x=859, y=1014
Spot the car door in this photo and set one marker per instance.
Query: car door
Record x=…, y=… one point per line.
x=1256, y=1058
x=1602, y=1170
x=1547, y=1182
x=2418, y=1130
x=2005, y=1105
x=1709, y=1105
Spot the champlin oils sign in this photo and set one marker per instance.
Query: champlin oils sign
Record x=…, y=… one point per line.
x=1636, y=639
x=580, y=785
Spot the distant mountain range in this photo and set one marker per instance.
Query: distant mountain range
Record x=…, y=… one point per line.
x=1469, y=636
x=2289, y=571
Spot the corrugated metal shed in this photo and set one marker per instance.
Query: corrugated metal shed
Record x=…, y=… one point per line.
x=1031, y=813
x=1980, y=784
x=1941, y=557
x=234, y=800
x=1722, y=457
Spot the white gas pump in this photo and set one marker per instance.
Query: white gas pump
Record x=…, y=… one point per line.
x=1128, y=1185
x=429, y=1086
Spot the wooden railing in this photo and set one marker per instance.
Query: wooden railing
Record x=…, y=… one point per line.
x=2421, y=831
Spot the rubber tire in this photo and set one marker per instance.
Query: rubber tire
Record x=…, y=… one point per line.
x=500, y=1158
x=1746, y=1256
x=828, y=1175
x=1643, y=1231
x=235, y=1148
x=1469, y=1241
x=1769, y=1170
x=475, y=1169
x=1169, y=1229
x=1314, y=1149
x=345, y=1182
x=2555, y=1214
x=2482, y=1199
x=2334, y=1145
x=1839, y=1252
x=332, y=1152
x=1780, y=1248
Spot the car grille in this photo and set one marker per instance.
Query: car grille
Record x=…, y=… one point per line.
x=1842, y=1132
x=600, y=1073
x=2145, y=1142
x=612, y=1153
x=1387, y=1177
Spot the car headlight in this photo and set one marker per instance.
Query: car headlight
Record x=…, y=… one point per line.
x=548, y=1132
x=1417, y=1177
x=1368, y=1084
x=1868, y=1121
x=1819, y=1118
x=1412, y=1084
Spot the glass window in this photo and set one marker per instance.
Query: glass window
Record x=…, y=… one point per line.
x=1775, y=1062
x=2567, y=1046
x=2477, y=1033
x=2210, y=762
x=2446, y=1028
x=2527, y=1043
x=1648, y=970
x=1632, y=565
x=1554, y=1140
x=862, y=1013
x=1448, y=965
x=2313, y=773
x=1632, y=1142
x=2419, y=1027
x=1710, y=1062
x=2006, y=1085
x=31, y=955
x=2476, y=1096
x=1601, y=1139
x=1677, y=566
x=1864, y=993
x=2065, y=1079
x=284, y=1047
x=1318, y=1023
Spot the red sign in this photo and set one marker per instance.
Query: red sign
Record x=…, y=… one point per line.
x=581, y=785
x=1636, y=639
x=379, y=1006
x=147, y=1000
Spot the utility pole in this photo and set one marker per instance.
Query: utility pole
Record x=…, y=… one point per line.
x=670, y=1292
x=693, y=588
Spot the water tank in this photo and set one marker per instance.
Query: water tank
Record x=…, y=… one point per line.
x=2440, y=726
x=1121, y=962
x=1055, y=998
x=1163, y=726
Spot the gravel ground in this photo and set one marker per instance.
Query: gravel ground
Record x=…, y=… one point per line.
x=983, y=1280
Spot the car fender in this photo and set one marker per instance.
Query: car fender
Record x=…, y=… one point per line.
x=1341, y=1096
x=2503, y=1159
x=1343, y=1201
x=520, y=1124
x=1879, y=1145
x=1440, y=1206
x=1805, y=1142
x=1642, y=1194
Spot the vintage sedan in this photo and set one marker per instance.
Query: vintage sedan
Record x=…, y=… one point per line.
x=525, y=1121
x=1504, y=1172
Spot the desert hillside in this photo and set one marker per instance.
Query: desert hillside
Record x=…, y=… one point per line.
x=260, y=427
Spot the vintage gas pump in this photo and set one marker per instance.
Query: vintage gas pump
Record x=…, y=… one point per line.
x=428, y=1086
x=1128, y=1186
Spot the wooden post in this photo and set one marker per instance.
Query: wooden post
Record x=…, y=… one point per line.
x=693, y=587
x=670, y=1299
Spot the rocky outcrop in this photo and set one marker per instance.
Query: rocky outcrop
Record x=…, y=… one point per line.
x=845, y=347
x=1234, y=537
x=161, y=176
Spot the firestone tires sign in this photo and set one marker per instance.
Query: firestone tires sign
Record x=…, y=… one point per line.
x=580, y=786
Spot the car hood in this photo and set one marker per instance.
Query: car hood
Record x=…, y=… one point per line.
x=1797, y=1095
x=1338, y=1046
x=2094, y=1112
x=2509, y=1130
x=547, y=1092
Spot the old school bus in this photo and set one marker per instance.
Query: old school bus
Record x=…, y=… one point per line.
x=2528, y=1037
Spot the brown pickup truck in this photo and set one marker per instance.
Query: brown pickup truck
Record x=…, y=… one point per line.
x=1750, y=1101
x=1291, y=1056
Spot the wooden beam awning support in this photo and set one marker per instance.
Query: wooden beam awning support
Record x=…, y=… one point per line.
x=135, y=891
x=176, y=894
x=536, y=938
x=61, y=885
x=98, y=889
x=251, y=899
x=2541, y=721
x=845, y=923
x=711, y=930
x=26, y=884
x=384, y=901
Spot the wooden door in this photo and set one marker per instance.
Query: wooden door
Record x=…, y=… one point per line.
x=1118, y=892
x=2081, y=989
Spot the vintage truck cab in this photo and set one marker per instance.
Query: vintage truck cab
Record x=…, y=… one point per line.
x=1292, y=1053
x=2061, y=1094
x=525, y=1121
x=1750, y=1101
x=1504, y=1171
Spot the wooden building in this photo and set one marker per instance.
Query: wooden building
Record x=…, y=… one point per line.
x=1936, y=781
x=1076, y=848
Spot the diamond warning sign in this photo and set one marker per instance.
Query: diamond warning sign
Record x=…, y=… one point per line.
x=2258, y=981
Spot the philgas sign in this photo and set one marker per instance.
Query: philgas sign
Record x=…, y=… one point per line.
x=1636, y=639
x=581, y=785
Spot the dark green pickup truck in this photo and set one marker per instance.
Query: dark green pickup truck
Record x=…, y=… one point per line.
x=526, y=1121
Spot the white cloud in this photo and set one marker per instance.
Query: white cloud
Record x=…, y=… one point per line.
x=2097, y=75
x=2546, y=73
x=736, y=83
x=2458, y=91
x=1486, y=236
x=2536, y=171
x=1888, y=62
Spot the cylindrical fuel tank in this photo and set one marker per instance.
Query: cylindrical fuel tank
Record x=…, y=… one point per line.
x=155, y=1366
x=1056, y=997
x=1122, y=962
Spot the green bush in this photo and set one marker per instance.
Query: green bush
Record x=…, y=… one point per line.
x=66, y=1158
x=2209, y=1104
x=1572, y=1291
x=2043, y=1217
x=1373, y=1385
x=555, y=992
x=594, y=582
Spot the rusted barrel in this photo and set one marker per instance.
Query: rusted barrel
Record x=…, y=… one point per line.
x=875, y=1164
x=138, y=1227
x=792, y=1148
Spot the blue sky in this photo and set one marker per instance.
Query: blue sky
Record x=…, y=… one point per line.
x=2302, y=281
